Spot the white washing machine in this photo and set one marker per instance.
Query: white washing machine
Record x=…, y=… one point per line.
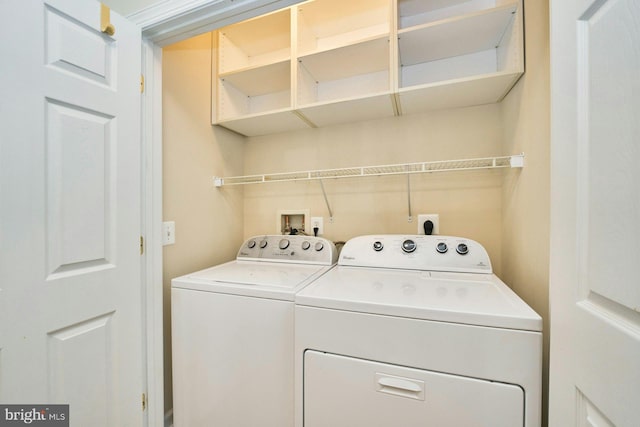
x=415, y=331
x=233, y=333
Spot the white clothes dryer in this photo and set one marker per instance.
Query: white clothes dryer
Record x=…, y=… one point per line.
x=232, y=333
x=415, y=331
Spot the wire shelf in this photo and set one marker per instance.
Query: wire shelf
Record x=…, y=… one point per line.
x=515, y=161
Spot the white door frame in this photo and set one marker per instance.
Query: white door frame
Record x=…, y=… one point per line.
x=162, y=24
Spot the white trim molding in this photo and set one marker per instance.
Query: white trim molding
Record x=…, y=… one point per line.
x=171, y=21
x=152, y=228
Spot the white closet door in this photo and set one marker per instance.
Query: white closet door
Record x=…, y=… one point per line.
x=595, y=213
x=70, y=297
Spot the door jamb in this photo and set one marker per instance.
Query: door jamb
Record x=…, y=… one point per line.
x=164, y=23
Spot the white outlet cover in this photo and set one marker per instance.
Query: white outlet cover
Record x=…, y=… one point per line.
x=317, y=221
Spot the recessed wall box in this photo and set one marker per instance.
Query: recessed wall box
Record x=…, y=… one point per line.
x=292, y=220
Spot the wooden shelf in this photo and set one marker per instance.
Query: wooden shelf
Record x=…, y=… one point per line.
x=260, y=41
x=330, y=24
x=349, y=110
x=256, y=81
x=454, y=36
x=413, y=13
x=326, y=62
x=476, y=90
x=363, y=58
x=266, y=123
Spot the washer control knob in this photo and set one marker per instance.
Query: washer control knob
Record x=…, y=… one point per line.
x=319, y=246
x=377, y=246
x=251, y=244
x=284, y=244
x=263, y=244
x=305, y=245
x=442, y=247
x=462, y=249
x=409, y=246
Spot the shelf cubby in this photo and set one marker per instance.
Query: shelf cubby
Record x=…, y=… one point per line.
x=254, y=70
x=470, y=58
x=330, y=24
x=353, y=71
x=261, y=41
x=413, y=13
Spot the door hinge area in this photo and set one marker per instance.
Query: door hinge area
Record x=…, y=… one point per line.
x=144, y=401
x=141, y=83
x=105, y=20
x=141, y=245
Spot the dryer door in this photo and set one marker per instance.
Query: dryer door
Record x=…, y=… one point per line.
x=348, y=392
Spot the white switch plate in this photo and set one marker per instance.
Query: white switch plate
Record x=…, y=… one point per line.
x=168, y=233
x=434, y=218
x=316, y=221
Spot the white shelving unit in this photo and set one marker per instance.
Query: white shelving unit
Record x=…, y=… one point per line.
x=515, y=161
x=344, y=56
x=253, y=77
x=457, y=54
x=332, y=61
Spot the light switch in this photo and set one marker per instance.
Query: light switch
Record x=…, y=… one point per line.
x=168, y=233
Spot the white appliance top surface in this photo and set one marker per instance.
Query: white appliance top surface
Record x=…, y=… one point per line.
x=439, y=278
x=267, y=266
x=252, y=278
x=256, y=273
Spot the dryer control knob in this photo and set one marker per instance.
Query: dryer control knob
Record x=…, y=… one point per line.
x=251, y=244
x=377, y=246
x=442, y=247
x=305, y=245
x=462, y=249
x=409, y=246
x=319, y=246
x=284, y=244
x=263, y=244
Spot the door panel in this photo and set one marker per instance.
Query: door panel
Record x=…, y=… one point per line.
x=77, y=48
x=595, y=235
x=70, y=296
x=608, y=150
x=81, y=359
x=80, y=202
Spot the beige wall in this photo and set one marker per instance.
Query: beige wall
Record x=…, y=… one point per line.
x=469, y=203
x=208, y=221
x=525, y=244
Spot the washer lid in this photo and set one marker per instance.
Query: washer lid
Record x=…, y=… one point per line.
x=468, y=298
x=258, y=274
x=252, y=278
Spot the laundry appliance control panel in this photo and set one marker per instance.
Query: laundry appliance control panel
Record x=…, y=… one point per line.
x=288, y=248
x=416, y=252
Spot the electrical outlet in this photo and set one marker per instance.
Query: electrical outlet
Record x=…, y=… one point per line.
x=316, y=221
x=434, y=218
x=168, y=233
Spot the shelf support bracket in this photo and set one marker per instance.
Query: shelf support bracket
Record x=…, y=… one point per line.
x=410, y=218
x=326, y=201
